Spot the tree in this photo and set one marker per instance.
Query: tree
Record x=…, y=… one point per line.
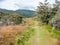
x=44, y=12
x=55, y=22
x=55, y=7
x=12, y=18
x=2, y=14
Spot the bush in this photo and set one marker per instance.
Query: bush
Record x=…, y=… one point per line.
x=45, y=12
x=12, y=19
x=55, y=22
x=23, y=39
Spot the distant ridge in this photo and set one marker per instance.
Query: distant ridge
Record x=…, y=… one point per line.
x=23, y=12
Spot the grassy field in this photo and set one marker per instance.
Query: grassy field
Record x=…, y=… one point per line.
x=32, y=33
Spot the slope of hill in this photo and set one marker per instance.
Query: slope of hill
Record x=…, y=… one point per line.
x=23, y=12
x=27, y=13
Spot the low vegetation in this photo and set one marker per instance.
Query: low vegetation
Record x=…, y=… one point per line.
x=55, y=33
x=23, y=39
x=10, y=19
x=46, y=19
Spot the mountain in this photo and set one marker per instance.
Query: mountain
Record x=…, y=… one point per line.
x=23, y=12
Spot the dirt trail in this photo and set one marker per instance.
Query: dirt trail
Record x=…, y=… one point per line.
x=41, y=37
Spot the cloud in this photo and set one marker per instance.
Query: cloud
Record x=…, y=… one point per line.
x=27, y=4
x=20, y=4
x=8, y=4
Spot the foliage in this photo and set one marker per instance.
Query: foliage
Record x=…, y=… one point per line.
x=55, y=22
x=11, y=43
x=55, y=32
x=23, y=39
x=44, y=12
x=12, y=18
x=49, y=28
x=2, y=14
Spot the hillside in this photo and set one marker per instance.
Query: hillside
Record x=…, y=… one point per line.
x=23, y=12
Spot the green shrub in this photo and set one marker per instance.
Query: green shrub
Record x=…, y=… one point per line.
x=55, y=22
x=23, y=39
x=49, y=28
x=55, y=32
x=12, y=19
x=11, y=43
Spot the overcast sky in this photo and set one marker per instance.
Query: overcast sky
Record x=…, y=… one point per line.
x=20, y=4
